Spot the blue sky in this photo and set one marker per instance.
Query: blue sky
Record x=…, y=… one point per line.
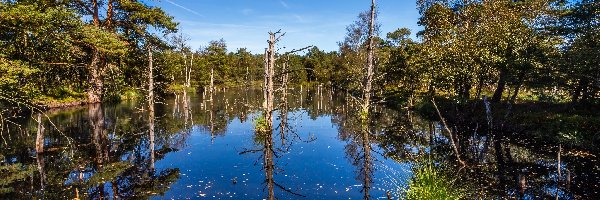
x=245, y=23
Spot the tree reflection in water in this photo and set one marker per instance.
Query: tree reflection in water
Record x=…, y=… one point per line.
x=111, y=158
x=109, y=150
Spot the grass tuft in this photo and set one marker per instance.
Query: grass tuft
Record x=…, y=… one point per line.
x=428, y=182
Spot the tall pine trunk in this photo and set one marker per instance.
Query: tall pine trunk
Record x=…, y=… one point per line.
x=96, y=87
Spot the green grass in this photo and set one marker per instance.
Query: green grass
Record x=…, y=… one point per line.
x=60, y=95
x=428, y=182
x=180, y=88
x=130, y=94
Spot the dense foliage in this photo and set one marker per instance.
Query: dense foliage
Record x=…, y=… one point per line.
x=538, y=50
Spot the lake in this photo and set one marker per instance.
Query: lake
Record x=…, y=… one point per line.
x=206, y=146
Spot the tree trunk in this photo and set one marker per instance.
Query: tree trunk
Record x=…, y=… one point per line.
x=150, y=81
x=96, y=87
x=367, y=165
x=269, y=164
x=466, y=88
x=188, y=72
x=247, y=75
x=268, y=80
x=39, y=140
x=513, y=98
x=370, y=65
x=151, y=106
x=185, y=68
x=479, y=87
x=501, y=85
x=212, y=79
x=95, y=16
x=109, y=14
x=39, y=150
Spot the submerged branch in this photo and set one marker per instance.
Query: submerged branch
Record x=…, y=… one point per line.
x=454, y=147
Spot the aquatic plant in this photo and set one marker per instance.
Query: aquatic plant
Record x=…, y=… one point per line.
x=260, y=124
x=428, y=182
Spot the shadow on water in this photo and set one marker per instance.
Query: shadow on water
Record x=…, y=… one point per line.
x=208, y=145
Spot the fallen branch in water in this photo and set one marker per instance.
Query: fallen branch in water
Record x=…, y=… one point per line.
x=449, y=132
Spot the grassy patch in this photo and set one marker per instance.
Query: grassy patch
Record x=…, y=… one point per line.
x=130, y=94
x=428, y=182
x=177, y=88
x=60, y=95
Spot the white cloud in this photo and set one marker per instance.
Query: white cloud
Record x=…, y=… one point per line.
x=185, y=8
x=285, y=5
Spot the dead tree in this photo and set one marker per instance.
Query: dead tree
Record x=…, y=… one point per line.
x=212, y=80
x=151, y=106
x=266, y=129
x=370, y=65
x=268, y=91
x=39, y=149
x=188, y=72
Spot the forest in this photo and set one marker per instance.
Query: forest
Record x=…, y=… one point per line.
x=490, y=99
x=57, y=52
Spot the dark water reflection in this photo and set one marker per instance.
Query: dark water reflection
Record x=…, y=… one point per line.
x=206, y=146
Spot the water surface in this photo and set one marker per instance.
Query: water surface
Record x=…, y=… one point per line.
x=205, y=146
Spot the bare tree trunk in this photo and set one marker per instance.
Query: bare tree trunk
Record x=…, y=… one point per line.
x=268, y=80
x=212, y=121
x=188, y=72
x=185, y=68
x=186, y=108
x=151, y=105
x=367, y=168
x=150, y=80
x=212, y=80
x=39, y=148
x=247, y=75
x=151, y=133
x=370, y=65
x=269, y=164
x=268, y=95
x=39, y=140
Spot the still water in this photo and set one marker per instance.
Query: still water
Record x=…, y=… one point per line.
x=205, y=146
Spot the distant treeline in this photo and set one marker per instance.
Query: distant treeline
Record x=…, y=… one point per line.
x=538, y=50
